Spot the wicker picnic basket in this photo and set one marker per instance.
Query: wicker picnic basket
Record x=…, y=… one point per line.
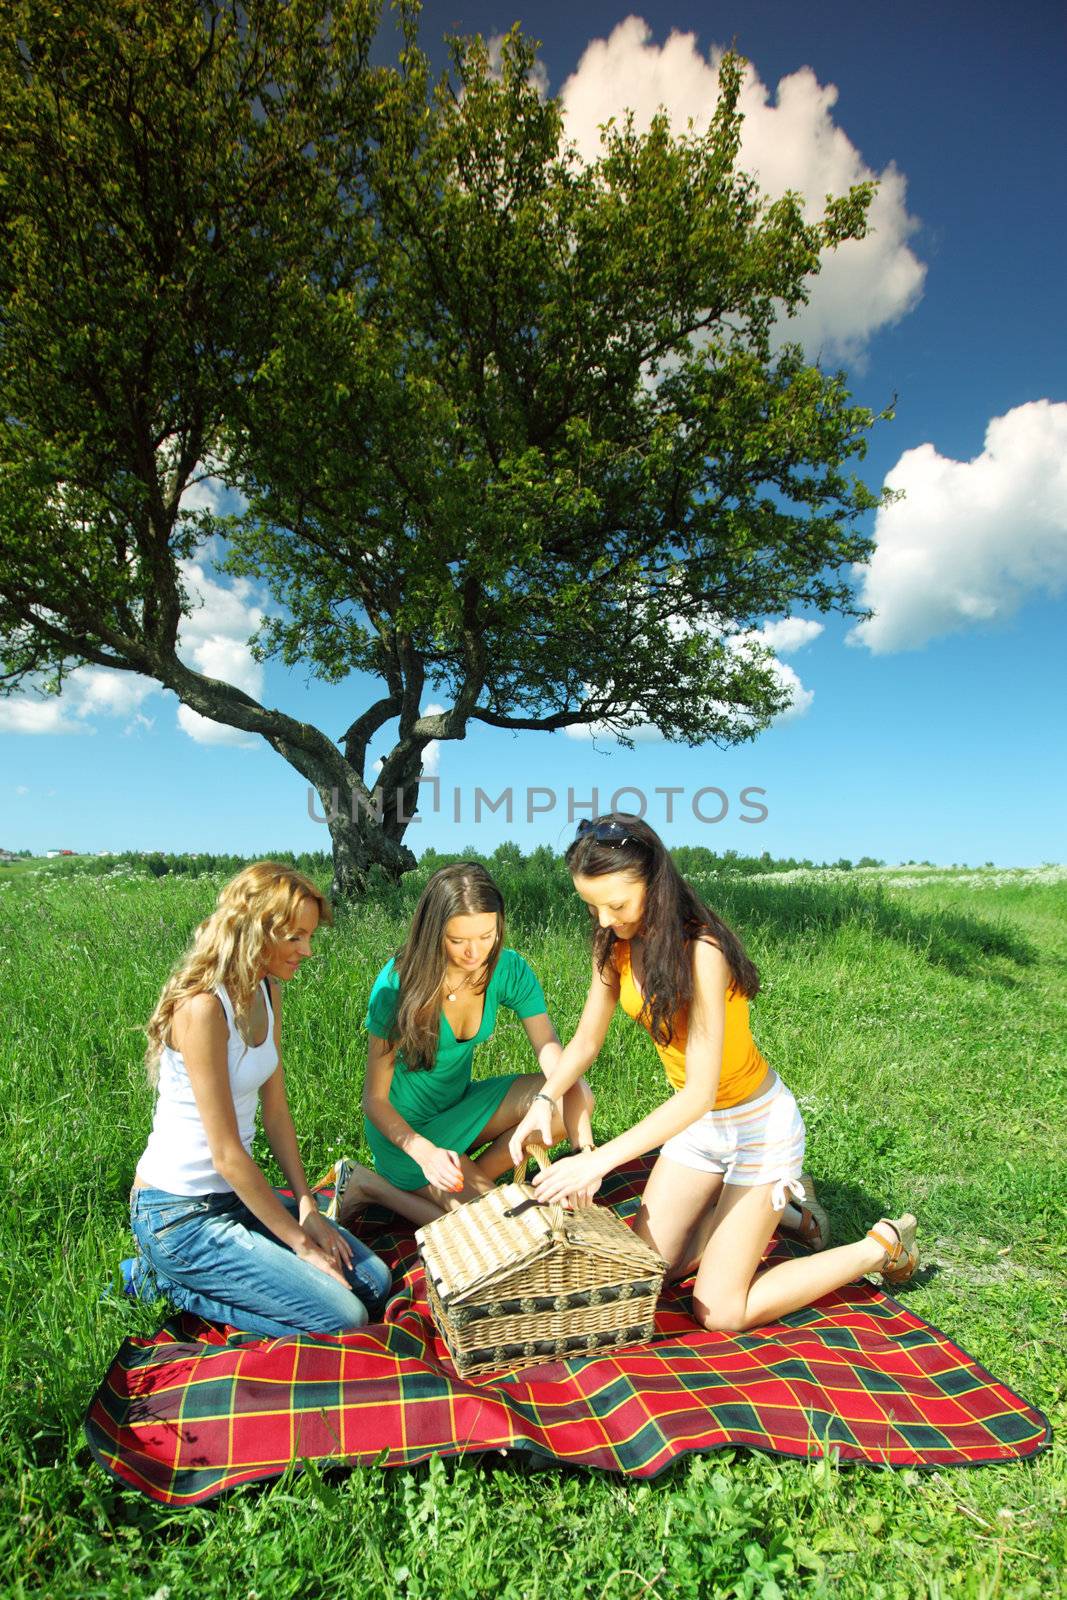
x=511, y=1283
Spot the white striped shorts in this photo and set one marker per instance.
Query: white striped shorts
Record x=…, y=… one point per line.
x=761, y=1141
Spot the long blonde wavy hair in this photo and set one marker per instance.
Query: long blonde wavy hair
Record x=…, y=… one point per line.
x=228, y=948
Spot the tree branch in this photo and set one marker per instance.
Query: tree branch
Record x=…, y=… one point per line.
x=359, y=733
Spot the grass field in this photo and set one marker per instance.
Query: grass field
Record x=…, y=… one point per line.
x=919, y=1017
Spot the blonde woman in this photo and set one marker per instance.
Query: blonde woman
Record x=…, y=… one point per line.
x=212, y=1232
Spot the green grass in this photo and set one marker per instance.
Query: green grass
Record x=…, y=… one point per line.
x=919, y=1018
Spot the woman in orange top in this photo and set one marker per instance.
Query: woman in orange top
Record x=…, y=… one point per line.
x=732, y=1137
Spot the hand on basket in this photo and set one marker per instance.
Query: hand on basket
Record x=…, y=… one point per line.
x=573, y=1181
x=442, y=1168
x=535, y=1127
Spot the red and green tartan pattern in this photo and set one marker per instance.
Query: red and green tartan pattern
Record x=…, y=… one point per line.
x=191, y=1412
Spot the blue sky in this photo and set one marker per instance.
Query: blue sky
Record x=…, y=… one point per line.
x=938, y=738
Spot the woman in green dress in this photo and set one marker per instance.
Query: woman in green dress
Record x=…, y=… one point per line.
x=430, y=1006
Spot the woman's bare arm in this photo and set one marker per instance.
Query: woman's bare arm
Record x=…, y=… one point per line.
x=441, y=1167
x=703, y=1064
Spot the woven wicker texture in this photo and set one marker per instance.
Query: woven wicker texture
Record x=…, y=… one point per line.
x=508, y=1279
x=514, y=1339
x=472, y=1247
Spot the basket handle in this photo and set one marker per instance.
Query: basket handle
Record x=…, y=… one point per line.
x=540, y=1155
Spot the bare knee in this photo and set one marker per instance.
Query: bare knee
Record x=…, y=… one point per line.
x=578, y=1098
x=725, y=1316
x=476, y=1185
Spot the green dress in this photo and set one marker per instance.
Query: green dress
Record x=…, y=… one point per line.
x=443, y=1104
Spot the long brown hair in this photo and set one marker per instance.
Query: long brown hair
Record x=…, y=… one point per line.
x=462, y=889
x=674, y=916
x=258, y=905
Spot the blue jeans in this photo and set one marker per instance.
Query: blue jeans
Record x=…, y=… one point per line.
x=210, y=1255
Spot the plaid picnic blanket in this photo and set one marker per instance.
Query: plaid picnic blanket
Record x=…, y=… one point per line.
x=194, y=1411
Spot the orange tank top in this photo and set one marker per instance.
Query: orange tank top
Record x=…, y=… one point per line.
x=743, y=1068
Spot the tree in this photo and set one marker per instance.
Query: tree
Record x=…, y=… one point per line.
x=569, y=473
x=167, y=172
x=515, y=432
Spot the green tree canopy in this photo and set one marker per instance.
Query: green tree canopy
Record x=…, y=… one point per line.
x=167, y=172
x=513, y=429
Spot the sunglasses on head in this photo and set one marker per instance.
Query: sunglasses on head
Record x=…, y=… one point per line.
x=607, y=832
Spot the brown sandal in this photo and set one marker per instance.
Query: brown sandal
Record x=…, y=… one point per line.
x=339, y=1175
x=813, y=1229
x=901, y=1251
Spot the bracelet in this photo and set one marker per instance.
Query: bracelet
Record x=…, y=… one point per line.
x=542, y=1096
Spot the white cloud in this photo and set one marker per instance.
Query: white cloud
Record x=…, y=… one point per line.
x=643, y=733
x=208, y=493
x=538, y=76
x=788, y=634
x=22, y=788
x=783, y=637
x=227, y=658
x=88, y=692
x=103, y=690
x=214, y=639
x=24, y=713
x=802, y=698
x=218, y=610
x=431, y=756
x=970, y=540
x=789, y=141
x=791, y=633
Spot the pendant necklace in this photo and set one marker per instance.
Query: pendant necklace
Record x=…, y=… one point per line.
x=459, y=986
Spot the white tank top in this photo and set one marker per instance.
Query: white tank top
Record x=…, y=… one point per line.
x=177, y=1157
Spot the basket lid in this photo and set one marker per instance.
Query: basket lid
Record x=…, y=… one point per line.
x=598, y=1230
x=477, y=1245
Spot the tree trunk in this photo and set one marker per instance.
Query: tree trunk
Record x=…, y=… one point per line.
x=359, y=838
x=398, y=786
x=359, y=845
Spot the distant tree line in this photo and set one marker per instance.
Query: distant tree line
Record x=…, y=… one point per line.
x=690, y=859
x=163, y=864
